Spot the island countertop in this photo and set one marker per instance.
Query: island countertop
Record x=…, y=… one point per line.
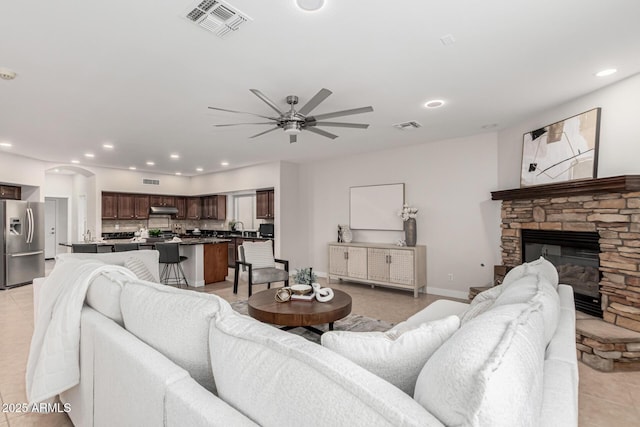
x=184, y=241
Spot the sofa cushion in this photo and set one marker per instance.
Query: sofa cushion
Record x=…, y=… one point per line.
x=139, y=269
x=481, y=303
x=539, y=266
x=271, y=375
x=395, y=356
x=535, y=288
x=489, y=373
x=174, y=322
x=148, y=257
x=104, y=293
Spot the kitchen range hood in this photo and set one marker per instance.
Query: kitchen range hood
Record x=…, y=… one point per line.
x=163, y=210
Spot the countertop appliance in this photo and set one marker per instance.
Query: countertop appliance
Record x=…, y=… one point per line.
x=22, y=242
x=266, y=230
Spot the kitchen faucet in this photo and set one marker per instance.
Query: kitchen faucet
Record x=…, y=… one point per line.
x=236, y=227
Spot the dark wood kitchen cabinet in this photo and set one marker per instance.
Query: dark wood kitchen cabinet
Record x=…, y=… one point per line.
x=10, y=192
x=265, y=200
x=109, y=206
x=194, y=208
x=215, y=262
x=162, y=201
x=214, y=207
x=126, y=206
x=141, y=206
x=181, y=205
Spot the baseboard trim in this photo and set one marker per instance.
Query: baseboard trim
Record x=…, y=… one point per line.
x=447, y=293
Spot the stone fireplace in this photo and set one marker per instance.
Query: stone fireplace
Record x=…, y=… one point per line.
x=610, y=209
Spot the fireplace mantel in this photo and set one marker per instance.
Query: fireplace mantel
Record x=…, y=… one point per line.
x=614, y=184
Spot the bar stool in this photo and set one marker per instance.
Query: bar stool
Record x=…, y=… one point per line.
x=172, y=272
x=85, y=248
x=124, y=247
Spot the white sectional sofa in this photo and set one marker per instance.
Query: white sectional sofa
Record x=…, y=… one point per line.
x=152, y=355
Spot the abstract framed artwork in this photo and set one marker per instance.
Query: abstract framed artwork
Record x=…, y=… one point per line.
x=563, y=151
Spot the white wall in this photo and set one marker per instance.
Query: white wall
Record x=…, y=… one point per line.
x=22, y=171
x=259, y=176
x=448, y=181
x=291, y=217
x=619, y=150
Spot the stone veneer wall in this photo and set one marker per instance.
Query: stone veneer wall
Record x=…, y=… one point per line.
x=615, y=216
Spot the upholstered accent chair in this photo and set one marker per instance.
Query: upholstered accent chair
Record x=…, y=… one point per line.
x=256, y=258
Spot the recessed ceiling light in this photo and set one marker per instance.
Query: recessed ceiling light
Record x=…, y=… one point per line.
x=89, y=155
x=224, y=163
x=490, y=126
x=607, y=72
x=56, y=170
x=434, y=103
x=132, y=168
x=150, y=164
x=75, y=161
x=178, y=173
x=175, y=156
x=107, y=146
x=310, y=5
x=6, y=144
x=199, y=169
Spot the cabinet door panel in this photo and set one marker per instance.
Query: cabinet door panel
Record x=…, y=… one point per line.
x=141, y=207
x=221, y=211
x=378, y=264
x=357, y=263
x=262, y=204
x=109, y=206
x=338, y=260
x=125, y=206
x=194, y=208
x=401, y=269
x=181, y=205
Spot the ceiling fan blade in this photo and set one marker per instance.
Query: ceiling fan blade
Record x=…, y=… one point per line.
x=293, y=138
x=269, y=102
x=339, y=125
x=315, y=101
x=242, y=112
x=321, y=132
x=266, y=131
x=239, y=124
x=343, y=113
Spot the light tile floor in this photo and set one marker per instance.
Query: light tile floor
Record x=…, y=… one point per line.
x=606, y=399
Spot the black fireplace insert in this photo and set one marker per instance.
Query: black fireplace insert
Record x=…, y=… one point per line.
x=576, y=256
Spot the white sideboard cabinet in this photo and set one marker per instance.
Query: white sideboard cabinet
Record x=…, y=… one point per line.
x=379, y=264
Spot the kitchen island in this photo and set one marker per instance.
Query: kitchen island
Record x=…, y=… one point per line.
x=207, y=257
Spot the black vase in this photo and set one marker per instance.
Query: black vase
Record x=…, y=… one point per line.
x=410, y=233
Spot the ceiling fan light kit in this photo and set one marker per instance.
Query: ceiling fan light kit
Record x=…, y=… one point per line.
x=293, y=122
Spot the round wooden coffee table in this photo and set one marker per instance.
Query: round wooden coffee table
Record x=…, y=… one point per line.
x=296, y=313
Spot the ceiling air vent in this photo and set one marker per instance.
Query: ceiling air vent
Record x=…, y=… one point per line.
x=151, y=181
x=407, y=125
x=216, y=16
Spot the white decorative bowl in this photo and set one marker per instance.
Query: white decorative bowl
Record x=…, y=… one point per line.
x=301, y=289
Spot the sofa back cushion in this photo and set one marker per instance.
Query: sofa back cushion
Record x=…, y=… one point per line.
x=396, y=356
x=271, y=375
x=490, y=372
x=148, y=257
x=174, y=322
x=103, y=295
x=539, y=266
x=534, y=288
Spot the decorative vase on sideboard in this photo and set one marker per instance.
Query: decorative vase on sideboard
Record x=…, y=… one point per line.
x=410, y=232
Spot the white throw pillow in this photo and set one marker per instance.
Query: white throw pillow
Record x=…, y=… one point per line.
x=259, y=254
x=393, y=356
x=490, y=372
x=174, y=322
x=278, y=379
x=139, y=269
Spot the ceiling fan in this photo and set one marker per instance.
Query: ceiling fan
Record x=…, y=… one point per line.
x=293, y=122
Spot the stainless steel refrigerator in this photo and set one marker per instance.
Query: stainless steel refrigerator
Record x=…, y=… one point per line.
x=22, y=246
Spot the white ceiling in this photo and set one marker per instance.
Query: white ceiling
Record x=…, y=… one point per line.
x=138, y=75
